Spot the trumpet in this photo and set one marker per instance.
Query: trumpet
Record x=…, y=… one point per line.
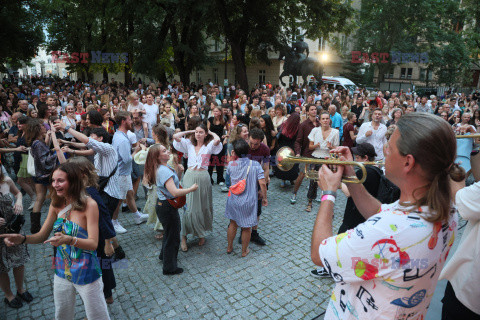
x=286, y=159
x=468, y=136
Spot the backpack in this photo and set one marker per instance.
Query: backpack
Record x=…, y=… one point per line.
x=387, y=191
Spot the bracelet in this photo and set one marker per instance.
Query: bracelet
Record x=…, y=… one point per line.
x=75, y=241
x=328, y=197
x=24, y=239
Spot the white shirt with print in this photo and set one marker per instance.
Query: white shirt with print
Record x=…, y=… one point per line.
x=388, y=266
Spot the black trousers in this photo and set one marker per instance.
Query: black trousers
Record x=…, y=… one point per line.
x=170, y=220
x=313, y=187
x=218, y=161
x=110, y=202
x=453, y=309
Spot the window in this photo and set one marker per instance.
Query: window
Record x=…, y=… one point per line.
x=389, y=74
x=406, y=73
x=322, y=44
x=261, y=76
x=217, y=46
x=215, y=75
x=423, y=74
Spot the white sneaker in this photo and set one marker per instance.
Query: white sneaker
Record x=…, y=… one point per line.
x=140, y=217
x=221, y=183
x=118, y=228
x=32, y=203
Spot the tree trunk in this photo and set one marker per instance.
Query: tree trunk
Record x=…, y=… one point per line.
x=105, y=74
x=239, y=63
x=382, y=68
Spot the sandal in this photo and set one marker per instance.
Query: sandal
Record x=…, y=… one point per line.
x=16, y=303
x=26, y=296
x=159, y=236
x=309, y=207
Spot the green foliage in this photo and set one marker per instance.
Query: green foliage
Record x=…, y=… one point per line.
x=20, y=33
x=416, y=26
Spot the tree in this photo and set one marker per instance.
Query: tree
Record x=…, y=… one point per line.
x=21, y=32
x=263, y=26
x=414, y=26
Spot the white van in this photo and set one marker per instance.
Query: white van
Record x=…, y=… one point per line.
x=338, y=81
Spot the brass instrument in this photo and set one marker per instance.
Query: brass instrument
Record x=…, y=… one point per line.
x=466, y=136
x=286, y=159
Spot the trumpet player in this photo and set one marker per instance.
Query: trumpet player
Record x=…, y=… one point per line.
x=388, y=266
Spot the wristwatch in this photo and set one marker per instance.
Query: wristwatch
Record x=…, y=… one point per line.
x=67, y=127
x=328, y=192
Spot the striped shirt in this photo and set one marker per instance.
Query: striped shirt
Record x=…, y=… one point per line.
x=243, y=208
x=105, y=161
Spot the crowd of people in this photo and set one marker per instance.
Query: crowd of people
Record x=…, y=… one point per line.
x=91, y=146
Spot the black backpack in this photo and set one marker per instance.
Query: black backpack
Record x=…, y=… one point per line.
x=387, y=191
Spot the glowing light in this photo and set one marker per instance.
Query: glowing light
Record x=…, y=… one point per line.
x=324, y=57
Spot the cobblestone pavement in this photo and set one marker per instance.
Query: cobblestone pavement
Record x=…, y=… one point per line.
x=273, y=282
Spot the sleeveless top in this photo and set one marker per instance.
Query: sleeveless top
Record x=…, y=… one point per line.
x=77, y=265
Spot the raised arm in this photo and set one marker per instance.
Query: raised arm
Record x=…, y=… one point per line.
x=178, y=136
x=60, y=125
x=56, y=146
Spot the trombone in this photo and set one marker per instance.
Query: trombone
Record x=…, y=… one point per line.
x=286, y=159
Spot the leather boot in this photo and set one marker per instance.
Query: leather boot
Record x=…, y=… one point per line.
x=35, y=222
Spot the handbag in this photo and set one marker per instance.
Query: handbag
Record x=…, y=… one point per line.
x=15, y=223
x=31, y=164
x=102, y=181
x=239, y=187
x=177, y=202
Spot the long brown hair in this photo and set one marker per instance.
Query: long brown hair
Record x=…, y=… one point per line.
x=151, y=164
x=76, y=189
x=33, y=130
x=431, y=141
x=160, y=131
x=87, y=169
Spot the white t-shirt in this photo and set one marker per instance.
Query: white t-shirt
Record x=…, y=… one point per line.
x=316, y=136
x=376, y=139
x=388, y=266
x=151, y=116
x=462, y=269
x=132, y=137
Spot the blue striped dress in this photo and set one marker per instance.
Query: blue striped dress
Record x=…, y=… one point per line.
x=243, y=208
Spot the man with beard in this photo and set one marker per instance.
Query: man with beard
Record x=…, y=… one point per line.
x=122, y=146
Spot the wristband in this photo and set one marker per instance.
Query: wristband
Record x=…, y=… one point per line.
x=328, y=197
x=24, y=239
x=75, y=241
x=328, y=192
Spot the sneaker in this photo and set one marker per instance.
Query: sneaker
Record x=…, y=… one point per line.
x=140, y=217
x=257, y=239
x=224, y=189
x=31, y=205
x=293, y=200
x=320, y=273
x=319, y=199
x=282, y=184
x=221, y=183
x=118, y=227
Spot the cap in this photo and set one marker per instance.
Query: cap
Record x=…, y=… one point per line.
x=364, y=149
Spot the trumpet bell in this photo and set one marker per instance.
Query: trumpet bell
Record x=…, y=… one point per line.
x=283, y=156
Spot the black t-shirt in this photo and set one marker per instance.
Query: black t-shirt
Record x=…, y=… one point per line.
x=217, y=128
x=352, y=217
